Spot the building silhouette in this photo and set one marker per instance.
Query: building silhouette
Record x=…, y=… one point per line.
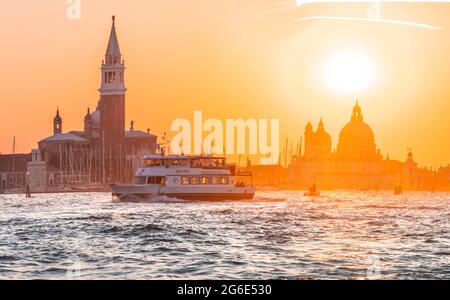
x=104, y=151
x=356, y=163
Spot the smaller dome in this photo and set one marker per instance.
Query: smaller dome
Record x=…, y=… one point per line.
x=322, y=137
x=88, y=116
x=96, y=117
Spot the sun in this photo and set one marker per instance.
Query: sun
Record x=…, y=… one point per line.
x=348, y=72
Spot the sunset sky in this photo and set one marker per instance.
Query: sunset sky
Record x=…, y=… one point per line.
x=231, y=59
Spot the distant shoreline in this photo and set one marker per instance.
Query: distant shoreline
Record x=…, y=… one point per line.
x=258, y=189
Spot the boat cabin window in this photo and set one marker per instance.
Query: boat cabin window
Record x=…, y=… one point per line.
x=196, y=163
x=195, y=180
x=184, y=162
x=224, y=180
x=156, y=180
x=176, y=162
x=205, y=163
x=154, y=163
x=140, y=180
x=149, y=162
x=205, y=180
x=185, y=180
x=215, y=180
x=208, y=163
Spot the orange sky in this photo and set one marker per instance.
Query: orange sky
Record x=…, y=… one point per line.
x=230, y=59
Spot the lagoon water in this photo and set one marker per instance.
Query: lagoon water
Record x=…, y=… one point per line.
x=279, y=235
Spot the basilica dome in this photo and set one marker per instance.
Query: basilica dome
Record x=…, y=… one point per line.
x=357, y=131
x=357, y=141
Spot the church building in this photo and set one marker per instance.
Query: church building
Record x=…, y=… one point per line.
x=356, y=163
x=104, y=151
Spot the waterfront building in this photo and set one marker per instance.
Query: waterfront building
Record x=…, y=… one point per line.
x=444, y=176
x=13, y=172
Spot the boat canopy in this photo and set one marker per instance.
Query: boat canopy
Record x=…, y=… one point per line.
x=204, y=162
x=154, y=156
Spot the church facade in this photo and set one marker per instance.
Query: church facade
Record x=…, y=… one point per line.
x=356, y=163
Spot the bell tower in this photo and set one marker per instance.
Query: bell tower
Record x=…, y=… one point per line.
x=57, y=123
x=113, y=67
x=112, y=105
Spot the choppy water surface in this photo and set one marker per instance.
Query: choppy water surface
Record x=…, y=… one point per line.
x=279, y=235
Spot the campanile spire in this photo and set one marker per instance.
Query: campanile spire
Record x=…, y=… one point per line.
x=113, y=50
x=113, y=67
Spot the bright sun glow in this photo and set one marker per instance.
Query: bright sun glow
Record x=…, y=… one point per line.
x=348, y=72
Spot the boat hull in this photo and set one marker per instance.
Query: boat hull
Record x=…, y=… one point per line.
x=312, y=194
x=134, y=192
x=141, y=192
x=212, y=196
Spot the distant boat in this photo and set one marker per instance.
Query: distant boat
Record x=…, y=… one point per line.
x=398, y=190
x=313, y=191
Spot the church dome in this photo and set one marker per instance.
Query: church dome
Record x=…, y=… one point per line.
x=321, y=137
x=95, y=116
x=357, y=131
x=88, y=116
